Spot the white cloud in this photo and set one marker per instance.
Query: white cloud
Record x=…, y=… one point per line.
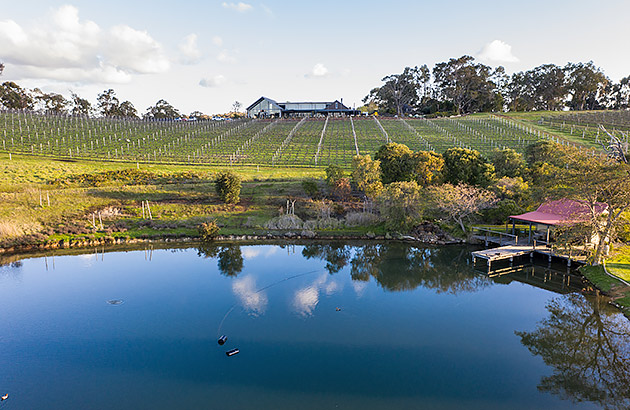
x=240, y=6
x=67, y=48
x=104, y=73
x=189, y=49
x=214, y=81
x=225, y=57
x=319, y=70
x=217, y=41
x=136, y=50
x=497, y=51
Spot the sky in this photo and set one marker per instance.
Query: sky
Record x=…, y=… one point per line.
x=204, y=55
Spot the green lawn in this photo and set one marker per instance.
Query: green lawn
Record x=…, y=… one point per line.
x=54, y=199
x=613, y=287
x=619, y=263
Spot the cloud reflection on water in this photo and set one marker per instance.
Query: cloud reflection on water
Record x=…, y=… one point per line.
x=252, y=252
x=245, y=290
x=306, y=299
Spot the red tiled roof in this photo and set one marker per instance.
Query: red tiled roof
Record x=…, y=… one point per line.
x=560, y=212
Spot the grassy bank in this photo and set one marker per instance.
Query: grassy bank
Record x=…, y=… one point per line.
x=46, y=200
x=619, y=263
x=611, y=286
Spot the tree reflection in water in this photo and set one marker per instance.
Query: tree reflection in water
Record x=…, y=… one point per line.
x=230, y=258
x=398, y=267
x=588, y=345
x=336, y=255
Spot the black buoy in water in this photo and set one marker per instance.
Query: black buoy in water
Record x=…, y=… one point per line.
x=232, y=352
x=222, y=340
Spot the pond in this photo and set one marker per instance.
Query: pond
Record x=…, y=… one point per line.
x=321, y=325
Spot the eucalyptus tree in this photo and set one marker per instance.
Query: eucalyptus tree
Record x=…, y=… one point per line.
x=619, y=94
x=399, y=92
x=13, y=96
x=550, y=86
x=51, y=103
x=127, y=110
x=586, y=85
x=467, y=84
x=80, y=106
x=521, y=91
x=162, y=110
x=107, y=103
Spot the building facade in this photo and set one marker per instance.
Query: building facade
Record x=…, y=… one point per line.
x=267, y=108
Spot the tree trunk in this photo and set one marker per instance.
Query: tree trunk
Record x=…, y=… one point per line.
x=461, y=224
x=597, y=259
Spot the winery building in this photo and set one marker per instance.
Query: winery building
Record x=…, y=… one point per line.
x=267, y=108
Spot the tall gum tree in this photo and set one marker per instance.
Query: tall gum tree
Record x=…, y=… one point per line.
x=594, y=180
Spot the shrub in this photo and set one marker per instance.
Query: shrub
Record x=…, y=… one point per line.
x=366, y=174
x=209, y=230
x=429, y=167
x=285, y=222
x=623, y=232
x=341, y=188
x=401, y=204
x=310, y=188
x=512, y=188
x=501, y=211
x=333, y=174
x=462, y=165
x=228, y=187
x=361, y=219
x=508, y=163
x=397, y=162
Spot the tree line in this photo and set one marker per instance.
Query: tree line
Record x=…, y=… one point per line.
x=12, y=96
x=411, y=186
x=463, y=85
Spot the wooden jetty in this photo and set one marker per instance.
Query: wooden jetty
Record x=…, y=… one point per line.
x=503, y=252
x=512, y=251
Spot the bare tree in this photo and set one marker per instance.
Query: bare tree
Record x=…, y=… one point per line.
x=236, y=107
x=461, y=201
x=616, y=149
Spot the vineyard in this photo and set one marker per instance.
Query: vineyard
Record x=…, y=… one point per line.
x=585, y=128
x=287, y=142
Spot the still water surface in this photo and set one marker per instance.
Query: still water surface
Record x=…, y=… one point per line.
x=332, y=326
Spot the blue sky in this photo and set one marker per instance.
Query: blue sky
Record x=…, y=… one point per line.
x=205, y=55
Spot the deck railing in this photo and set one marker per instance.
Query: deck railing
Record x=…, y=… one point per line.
x=490, y=235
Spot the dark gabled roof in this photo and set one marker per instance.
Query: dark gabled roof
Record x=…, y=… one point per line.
x=259, y=100
x=336, y=105
x=305, y=102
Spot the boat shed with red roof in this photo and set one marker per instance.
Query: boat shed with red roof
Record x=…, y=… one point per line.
x=557, y=213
